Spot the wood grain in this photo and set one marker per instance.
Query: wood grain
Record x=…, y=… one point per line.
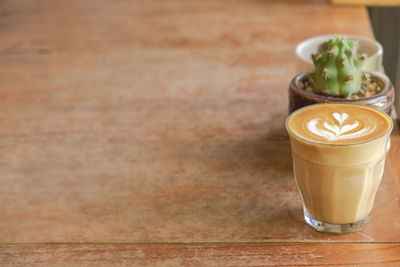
x=162, y=121
x=367, y=2
x=239, y=188
x=394, y=153
x=326, y=254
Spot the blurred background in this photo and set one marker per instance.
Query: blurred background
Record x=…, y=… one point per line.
x=385, y=21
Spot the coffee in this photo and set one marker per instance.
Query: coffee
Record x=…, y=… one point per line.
x=339, y=124
x=338, y=155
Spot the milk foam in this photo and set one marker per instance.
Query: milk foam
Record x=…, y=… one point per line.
x=338, y=155
x=339, y=123
x=339, y=130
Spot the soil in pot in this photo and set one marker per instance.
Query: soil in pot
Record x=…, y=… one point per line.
x=370, y=87
x=377, y=92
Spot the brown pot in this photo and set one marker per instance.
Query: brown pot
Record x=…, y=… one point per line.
x=299, y=98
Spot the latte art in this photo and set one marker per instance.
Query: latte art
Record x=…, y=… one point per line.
x=339, y=124
x=338, y=130
x=338, y=153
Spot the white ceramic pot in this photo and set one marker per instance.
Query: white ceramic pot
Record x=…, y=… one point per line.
x=370, y=47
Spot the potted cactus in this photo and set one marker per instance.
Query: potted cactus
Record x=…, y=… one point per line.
x=338, y=77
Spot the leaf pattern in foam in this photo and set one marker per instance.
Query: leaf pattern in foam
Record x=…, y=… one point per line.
x=334, y=132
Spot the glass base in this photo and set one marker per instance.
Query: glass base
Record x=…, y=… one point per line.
x=334, y=228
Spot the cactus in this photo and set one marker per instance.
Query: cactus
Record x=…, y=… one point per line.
x=338, y=68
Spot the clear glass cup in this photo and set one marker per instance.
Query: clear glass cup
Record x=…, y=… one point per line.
x=338, y=182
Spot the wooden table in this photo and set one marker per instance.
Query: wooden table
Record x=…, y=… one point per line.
x=152, y=133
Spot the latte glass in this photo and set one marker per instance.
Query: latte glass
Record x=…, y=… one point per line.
x=338, y=153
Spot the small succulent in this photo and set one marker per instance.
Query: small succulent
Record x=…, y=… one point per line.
x=338, y=68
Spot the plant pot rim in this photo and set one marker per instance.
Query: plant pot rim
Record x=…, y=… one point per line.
x=387, y=87
x=324, y=37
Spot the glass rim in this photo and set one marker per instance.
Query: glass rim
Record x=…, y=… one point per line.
x=292, y=133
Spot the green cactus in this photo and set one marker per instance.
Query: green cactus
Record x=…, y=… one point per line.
x=338, y=68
